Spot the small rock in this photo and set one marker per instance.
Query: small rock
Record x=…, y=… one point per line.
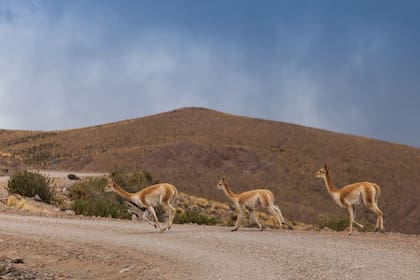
x=71, y=212
x=126, y=269
x=37, y=198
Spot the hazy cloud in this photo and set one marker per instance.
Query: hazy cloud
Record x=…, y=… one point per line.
x=70, y=67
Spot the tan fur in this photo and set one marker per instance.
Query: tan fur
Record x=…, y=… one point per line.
x=249, y=200
x=160, y=194
x=351, y=195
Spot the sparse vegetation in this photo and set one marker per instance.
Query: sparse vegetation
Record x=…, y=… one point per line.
x=133, y=182
x=39, y=155
x=2, y=269
x=100, y=208
x=30, y=184
x=195, y=217
x=338, y=223
x=89, y=199
x=335, y=223
x=197, y=146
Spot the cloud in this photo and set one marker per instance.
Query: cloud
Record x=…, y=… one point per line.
x=70, y=70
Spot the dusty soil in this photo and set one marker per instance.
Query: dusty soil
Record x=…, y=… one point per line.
x=63, y=246
x=99, y=248
x=61, y=259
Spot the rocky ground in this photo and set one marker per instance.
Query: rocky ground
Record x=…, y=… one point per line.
x=56, y=245
x=101, y=248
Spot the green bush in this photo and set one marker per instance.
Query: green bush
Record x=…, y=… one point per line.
x=30, y=184
x=100, y=208
x=89, y=199
x=133, y=182
x=191, y=216
x=340, y=224
x=92, y=188
x=335, y=223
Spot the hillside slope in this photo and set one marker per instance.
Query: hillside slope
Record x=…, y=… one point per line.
x=194, y=147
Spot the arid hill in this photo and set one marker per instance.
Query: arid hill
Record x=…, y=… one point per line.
x=192, y=148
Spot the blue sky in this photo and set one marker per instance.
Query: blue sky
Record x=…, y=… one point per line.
x=346, y=66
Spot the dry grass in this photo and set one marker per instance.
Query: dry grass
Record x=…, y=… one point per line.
x=192, y=148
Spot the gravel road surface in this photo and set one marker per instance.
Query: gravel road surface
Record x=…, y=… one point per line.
x=82, y=248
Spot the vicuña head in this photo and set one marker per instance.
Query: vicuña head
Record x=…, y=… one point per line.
x=249, y=200
x=221, y=184
x=322, y=172
x=351, y=195
x=110, y=187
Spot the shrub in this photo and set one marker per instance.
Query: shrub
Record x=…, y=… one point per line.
x=101, y=208
x=30, y=184
x=335, y=223
x=191, y=216
x=133, y=182
x=2, y=269
x=340, y=224
x=90, y=199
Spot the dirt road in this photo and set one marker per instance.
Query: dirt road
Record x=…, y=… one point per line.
x=113, y=249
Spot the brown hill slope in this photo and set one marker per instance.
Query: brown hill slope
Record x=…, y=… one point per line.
x=194, y=147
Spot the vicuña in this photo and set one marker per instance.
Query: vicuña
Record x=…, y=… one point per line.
x=249, y=200
x=160, y=194
x=353, y=194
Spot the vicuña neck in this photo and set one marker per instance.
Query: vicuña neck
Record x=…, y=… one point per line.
x=231, y=195
x=329, y=184
x=122, y=192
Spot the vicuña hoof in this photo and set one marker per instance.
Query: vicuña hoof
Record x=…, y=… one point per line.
x=235, y=229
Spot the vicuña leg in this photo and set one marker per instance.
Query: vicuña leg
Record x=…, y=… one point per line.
x=146, y=218
x=379, y=216
x=152, y=210
x=354, y=219
x=278, y=214
x=255, y=218
x=171, y=214
x=238, y=219
x=350, y=210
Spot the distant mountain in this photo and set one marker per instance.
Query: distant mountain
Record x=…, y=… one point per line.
x=193, y=147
